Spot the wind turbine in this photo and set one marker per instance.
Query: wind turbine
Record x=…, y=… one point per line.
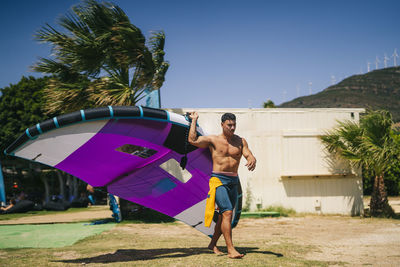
x=376, y=62
x=368, y=66
x=394, y=57
x=385, y=60
x=309, y=87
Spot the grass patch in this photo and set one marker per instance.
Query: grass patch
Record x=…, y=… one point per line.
x=285, y=212
x=259, y=214
x=47, y=235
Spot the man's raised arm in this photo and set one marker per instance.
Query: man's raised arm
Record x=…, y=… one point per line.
x=199, y=141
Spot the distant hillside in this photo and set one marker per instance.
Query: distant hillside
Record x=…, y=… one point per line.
x=378, y=89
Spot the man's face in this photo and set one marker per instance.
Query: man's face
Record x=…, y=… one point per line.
x=228, y=127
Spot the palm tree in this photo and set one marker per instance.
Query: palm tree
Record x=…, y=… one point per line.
x=371, y=145
x=269, y=104
x=100, y=58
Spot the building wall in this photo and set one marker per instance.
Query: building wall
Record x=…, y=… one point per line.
x=293, y=170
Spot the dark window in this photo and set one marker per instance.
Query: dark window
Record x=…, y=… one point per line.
x=139, y=151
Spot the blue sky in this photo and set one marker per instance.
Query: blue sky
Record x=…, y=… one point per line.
x=230, y=54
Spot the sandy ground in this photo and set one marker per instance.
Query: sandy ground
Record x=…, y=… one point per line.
x=353, y=241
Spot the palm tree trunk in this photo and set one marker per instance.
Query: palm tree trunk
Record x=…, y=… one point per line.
x=379, y=202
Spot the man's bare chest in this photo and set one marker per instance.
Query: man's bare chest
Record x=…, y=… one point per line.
x=225, y=149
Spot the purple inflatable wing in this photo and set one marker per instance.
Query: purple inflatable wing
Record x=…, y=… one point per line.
x=134, y=151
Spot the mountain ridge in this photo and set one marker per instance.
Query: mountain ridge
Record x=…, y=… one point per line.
x=378, y=89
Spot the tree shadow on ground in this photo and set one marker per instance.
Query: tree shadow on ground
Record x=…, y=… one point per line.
x=125, y=255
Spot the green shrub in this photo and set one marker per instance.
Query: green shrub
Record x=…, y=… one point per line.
x=285, y=212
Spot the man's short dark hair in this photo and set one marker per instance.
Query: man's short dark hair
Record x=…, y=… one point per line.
x=228, y=116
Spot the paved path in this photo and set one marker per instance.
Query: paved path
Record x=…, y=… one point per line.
x=92, y=213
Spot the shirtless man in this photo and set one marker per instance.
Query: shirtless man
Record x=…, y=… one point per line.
x=226, y=151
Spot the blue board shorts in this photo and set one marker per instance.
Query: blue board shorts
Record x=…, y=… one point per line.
x=226, y=195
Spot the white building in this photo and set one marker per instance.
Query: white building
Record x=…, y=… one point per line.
x=293, y=169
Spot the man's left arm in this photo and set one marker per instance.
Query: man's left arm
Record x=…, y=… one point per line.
x=251, y=160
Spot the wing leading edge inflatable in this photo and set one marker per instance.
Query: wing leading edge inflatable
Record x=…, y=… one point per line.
x=134, y=151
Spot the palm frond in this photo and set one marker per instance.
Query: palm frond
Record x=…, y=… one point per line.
x=105, y=91
x=63, y=97
x=157, y=43
x=99, y=43
x=369, y=144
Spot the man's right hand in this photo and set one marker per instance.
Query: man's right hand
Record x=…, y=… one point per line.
x=193, y=115
x=199, y=141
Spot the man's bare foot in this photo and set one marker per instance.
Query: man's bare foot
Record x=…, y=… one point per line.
x=235, y=255
x=215, y=250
